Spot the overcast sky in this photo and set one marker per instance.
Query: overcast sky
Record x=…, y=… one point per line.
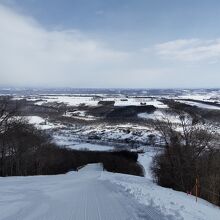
x=110, y=43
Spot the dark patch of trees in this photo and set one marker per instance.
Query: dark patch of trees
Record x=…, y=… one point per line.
x=100, y=110
x=106, y=103
x=130, y=111
x=25, y=107
x=190, y=152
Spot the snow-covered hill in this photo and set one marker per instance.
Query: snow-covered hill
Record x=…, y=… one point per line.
x=94, y=194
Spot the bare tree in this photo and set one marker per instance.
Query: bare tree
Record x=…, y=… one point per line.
x=188, y=154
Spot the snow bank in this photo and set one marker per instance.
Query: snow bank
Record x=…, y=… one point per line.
x=167, y=201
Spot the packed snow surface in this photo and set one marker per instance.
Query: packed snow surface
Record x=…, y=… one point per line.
x=94, y=194
x=82, y=195
x=173, y=204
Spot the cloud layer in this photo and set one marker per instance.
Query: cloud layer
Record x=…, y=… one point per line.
x=190, y=50
x=30, y=53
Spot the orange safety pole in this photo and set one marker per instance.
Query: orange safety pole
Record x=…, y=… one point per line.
x=196, y=188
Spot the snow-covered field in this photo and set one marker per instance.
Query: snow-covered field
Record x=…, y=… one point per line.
x=92, y=100
x=74, y=100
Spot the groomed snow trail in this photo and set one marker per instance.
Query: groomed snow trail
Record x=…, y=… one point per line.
x=74, y=196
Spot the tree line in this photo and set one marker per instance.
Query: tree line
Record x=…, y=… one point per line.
x=191, y=152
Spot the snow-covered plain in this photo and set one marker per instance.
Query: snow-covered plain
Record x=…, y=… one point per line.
x=90, y=100
x=212, y=96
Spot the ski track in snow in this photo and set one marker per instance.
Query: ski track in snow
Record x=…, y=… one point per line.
x=73, y=196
